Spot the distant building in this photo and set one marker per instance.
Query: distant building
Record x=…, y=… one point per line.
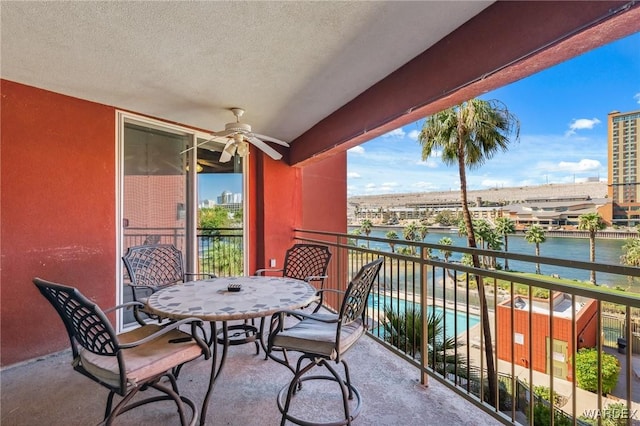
x=554, y=213
x=228, y=200
x=540, y=350
x=207, y=204
x=624, y=168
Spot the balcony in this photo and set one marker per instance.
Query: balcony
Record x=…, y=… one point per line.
x=536, y=331
x=49, y=392
x=537, y=326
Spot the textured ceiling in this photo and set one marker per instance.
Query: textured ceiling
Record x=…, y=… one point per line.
x=289, y=64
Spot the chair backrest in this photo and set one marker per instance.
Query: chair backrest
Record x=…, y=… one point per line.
x=86, y=323
x=154, y=266
x=306, y=260
x=355, y=298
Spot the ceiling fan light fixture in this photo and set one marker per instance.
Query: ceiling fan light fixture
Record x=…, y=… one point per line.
x=243, y=149
x=199, y=168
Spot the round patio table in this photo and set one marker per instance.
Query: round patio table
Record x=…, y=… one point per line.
x=214, y=300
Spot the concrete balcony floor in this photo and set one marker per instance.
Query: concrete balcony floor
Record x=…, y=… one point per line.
x=48, y=391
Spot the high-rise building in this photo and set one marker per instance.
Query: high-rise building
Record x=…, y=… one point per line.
x=624, y=167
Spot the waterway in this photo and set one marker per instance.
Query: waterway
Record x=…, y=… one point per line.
x=607, y=251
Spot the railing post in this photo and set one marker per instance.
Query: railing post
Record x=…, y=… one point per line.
x=424, y=349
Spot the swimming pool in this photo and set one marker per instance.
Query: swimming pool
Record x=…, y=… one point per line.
x=399, y=305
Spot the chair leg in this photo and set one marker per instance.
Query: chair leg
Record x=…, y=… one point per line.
x=294, y=385
x=349, y=392
x=347, y=378
x=346, y=394
x=107, y=410
x=170, y=394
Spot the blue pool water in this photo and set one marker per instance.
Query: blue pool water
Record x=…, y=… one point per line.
x=399, y=305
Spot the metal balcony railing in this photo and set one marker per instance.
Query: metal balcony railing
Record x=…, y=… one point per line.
x=220, y=250
x=574, y=346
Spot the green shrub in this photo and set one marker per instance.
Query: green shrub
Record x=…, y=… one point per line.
x=586, y=361
x=542, y=416
x=544, y=392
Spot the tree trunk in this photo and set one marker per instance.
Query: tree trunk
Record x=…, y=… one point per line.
x=506, y=249
x=592, y=254
x=471, y=240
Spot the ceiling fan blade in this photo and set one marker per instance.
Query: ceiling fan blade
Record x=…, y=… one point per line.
x=228, y=151
x=265, y=148
x=198, y=145
x=270, y=139
x=224, y=133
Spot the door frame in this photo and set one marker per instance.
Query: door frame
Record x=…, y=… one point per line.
x=191, y=240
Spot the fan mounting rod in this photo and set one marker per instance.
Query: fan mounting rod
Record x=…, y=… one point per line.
x=237, y=112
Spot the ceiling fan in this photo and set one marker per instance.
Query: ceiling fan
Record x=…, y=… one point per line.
x=238, y=134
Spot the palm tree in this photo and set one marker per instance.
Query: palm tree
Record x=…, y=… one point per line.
x=535, y=235
x=631, y=254
x=365, y=227
x=354, y=242
x=631, y=250
x=392, y=235
x=504, y=227
x=445, y=241
x=422, y=231
x=482, y=230
x=494, y=242
x=404, y=331
x=467, y=135
x=593, y=223
x=409, y=233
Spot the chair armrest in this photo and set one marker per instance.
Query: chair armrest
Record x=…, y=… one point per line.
x=330, y=290
x=320, y=295
x=277, y=322
x=264, y=271
x=316, y=278
x=194, y=322
x=197, y=274
x=124, y=305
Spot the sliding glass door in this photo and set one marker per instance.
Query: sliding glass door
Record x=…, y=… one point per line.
x=171, y=193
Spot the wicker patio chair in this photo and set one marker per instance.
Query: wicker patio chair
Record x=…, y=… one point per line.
x=306, y=262
x=323, y=339
x=126, y=363
x=151, y=268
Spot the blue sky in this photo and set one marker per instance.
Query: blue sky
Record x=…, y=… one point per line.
x=211, y=185
x=563, y=131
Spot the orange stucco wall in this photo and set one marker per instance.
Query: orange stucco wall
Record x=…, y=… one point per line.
x=313, y=197
x=58, y=200
x=562, y=330
x=58, y=211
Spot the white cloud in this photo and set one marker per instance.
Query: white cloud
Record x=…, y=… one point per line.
x=424, y=185
x=356, y=150
x=637, y=97
x=370, y=185
x=584, y=165
x=389, y=184
x=413, y=135
x=429, y=163
x=397, y=133
x=581, y=124
x=353, y=175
